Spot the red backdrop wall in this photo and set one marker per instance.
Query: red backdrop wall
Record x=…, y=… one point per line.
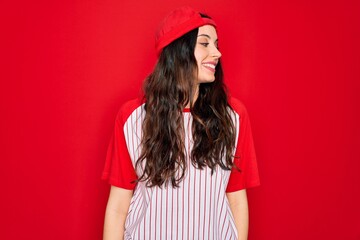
x=67, y=66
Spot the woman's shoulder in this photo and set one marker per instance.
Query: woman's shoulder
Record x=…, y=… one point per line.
x=237, y=106
x=128, y=108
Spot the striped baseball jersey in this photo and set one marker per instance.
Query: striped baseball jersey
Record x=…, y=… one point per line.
x=198, y=208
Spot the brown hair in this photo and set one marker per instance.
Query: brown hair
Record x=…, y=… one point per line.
x=167, y=90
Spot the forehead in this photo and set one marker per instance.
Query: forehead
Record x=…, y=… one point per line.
x=208, y=30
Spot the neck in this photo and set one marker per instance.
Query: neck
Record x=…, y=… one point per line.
x=194, y=96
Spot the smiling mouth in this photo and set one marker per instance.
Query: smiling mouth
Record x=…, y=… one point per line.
x=210, y=66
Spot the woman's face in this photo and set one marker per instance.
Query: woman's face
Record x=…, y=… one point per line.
x=206, y=53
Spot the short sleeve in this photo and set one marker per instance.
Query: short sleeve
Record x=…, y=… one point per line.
x=119, y=170
x=245, y=157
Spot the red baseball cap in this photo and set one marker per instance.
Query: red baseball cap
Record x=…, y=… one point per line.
x=176, y=24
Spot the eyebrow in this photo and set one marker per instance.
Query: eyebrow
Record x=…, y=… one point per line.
x=205, y=35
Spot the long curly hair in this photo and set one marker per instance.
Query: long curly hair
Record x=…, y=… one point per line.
x=168, y=89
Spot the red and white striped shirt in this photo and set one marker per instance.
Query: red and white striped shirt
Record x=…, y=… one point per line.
x=199, y=208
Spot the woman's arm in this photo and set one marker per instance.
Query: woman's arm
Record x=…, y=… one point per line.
x=239, y=208
x=116, y=212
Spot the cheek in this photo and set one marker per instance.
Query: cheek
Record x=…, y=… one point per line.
x=199, y=55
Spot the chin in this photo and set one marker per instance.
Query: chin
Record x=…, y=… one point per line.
x=206, y=80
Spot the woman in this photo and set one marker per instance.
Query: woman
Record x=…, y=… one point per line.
x=181, y=158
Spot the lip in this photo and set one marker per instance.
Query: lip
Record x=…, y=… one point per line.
x=210, y=68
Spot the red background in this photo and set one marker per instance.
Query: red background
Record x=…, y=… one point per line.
x=66, y=67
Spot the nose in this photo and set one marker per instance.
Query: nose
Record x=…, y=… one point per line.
x=216, y=53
